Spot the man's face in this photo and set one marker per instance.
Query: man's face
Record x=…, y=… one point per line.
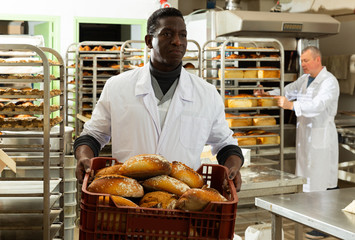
x=168, y=43
x=310, y=63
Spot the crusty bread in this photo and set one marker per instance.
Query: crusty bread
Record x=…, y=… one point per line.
x=158, y=199
x=236, y=120
x=112, y=170
x=186, y=174
x=189, y=65
x=117, y=185
x=165, y=183
x=266, y=121
x=197, y=199
x=145, y=166
x=119, y=201
x=250, y=74
x=241, y=100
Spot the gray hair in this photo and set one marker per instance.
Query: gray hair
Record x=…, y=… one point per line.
x=314, y=50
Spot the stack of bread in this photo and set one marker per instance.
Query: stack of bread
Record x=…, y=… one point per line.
x=149, y=180
x=241, y=101
x=256, y=137
x=255, y=72
x=241, y=120
x=263, y=120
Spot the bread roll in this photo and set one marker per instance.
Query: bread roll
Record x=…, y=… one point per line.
x=245, y=141
x=265, y=73
x=197, y=199
x=117, y=185
x=145, y=166
x=267, y=121
x=112, y=170
x=186, y=174
x=167, y=184
x=231, y=72
x=189, y=65
x=241, y=101
x=119, y=201
x=241, y=122
x=158, y=199
x=266, y=102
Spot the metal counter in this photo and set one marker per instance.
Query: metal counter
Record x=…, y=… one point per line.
x=319, y=210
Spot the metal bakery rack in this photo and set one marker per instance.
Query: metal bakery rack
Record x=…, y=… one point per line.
x=244, y=58
x=31, y=201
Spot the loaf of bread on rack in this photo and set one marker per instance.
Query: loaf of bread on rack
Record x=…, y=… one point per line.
x=231, y=72
x=165, y=183
x=241, y=101
x=197, y=199
x=250, y=73
x=266, y=72
x=269, y=138
x=240, y=120
x=117, y=185
x=186, y=174
x=158, y=199
x=145, y=166
x=243, y=139
x=263, y=120
x=266, y=101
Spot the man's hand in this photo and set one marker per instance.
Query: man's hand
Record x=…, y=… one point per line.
x=284, y=102
x=234, y=163
x=83, y=154
x=258, y=92
x=82, y=167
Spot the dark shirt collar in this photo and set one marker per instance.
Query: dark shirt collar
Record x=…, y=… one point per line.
x=165, y=79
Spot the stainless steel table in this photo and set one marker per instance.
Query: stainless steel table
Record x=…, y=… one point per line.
x=318, y=210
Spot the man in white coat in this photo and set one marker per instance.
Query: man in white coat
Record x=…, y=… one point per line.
x=160, y=108
x=314, y=99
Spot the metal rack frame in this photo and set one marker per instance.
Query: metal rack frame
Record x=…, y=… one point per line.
x=211, y=66
x=49, y=183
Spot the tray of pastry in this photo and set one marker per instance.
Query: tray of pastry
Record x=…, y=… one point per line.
x=24, y=107
x=26, y=123
x=27, y=93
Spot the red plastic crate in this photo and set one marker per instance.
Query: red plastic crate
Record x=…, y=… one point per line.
x=100, y=218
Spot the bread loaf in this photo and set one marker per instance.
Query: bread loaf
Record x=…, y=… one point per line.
x=112, y=170
x=241, y=101
x=158, y=199
x=245, y=141
x=266, y=121
x=231, y=72
x=119, y=201
x=250, y=74
x=165, y=183
x=237, y=121
x=117, y=185
x=145, y=166
x=265, y=73
x=186, y=174
x=266, y=102
x=270, y=138
x=197, y=199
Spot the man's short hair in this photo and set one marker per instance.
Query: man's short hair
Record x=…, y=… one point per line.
x=314, y=50
x=153, y=20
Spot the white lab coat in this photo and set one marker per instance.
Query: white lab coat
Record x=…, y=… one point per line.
x=316, y=139
x=127, y=110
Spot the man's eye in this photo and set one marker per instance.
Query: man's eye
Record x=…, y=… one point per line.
x=167, y=34
x=184, y=35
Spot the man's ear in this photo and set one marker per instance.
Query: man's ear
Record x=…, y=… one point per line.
x=148, y=41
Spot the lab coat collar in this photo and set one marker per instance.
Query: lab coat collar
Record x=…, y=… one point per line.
x=144, y=86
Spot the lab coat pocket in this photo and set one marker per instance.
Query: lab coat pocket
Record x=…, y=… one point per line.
x=193, y=131
x=318, y=138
